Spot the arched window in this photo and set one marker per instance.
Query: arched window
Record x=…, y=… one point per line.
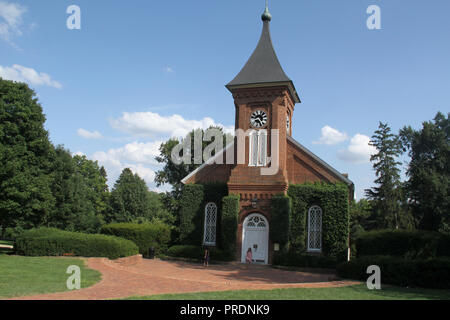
x=209, y=235
x=315, y=229
x=256, y=222
x=258, y=148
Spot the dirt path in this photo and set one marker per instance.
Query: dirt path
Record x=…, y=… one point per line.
x=135, y=276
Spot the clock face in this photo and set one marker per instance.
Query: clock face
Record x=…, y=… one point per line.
x=288, y=123
x=258, y=119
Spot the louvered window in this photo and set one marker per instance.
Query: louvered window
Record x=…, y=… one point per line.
x=258, y=148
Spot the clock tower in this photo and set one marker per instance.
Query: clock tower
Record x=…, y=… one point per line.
x=264, y=99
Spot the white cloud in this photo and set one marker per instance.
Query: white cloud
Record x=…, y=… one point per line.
x=153, y=124
x=331, y=136
x=169, y=70
x=358, y=151
x=137, y=152
x=23, y=74
x=78, y=153
x=89, y=135
x=11, y=20
x=138, y=156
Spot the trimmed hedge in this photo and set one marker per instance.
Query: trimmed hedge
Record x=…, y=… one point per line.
x=55, y=242
x=403, y=243
x=333, y=199
x=280, y=219
x=230, y=216
x=292, y=259
x=198, y=252
x=431, y=273
x=145, y=235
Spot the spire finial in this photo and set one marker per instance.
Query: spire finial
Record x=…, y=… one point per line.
x=266, y=16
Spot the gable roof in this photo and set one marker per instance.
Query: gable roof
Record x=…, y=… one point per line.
x=338, y=175
x=208, y=162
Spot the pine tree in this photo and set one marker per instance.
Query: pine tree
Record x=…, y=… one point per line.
x=387, y=194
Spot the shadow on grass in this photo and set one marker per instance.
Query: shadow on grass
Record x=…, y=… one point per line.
x=399, y=293
x=357, y=292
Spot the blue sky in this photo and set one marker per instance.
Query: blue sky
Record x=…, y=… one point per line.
x=141, y=71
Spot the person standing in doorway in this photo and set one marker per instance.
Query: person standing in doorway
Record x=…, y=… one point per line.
x=249, y=257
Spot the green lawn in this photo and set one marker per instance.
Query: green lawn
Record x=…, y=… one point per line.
x=358, y=292
x=20, y=276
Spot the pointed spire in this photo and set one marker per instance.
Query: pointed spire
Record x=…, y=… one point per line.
x=263, y=68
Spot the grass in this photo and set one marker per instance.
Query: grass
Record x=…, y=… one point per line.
x=357, y=292
x=22, y=276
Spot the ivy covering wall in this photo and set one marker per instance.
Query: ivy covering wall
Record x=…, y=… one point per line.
x=190, y=208
x=230, y=216
x=193, y=200
x=280, y=219
x=333, y=199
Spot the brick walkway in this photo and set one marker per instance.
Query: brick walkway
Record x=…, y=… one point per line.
x=136, y=276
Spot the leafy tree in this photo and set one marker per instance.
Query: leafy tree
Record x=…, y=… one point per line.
x=387, y=194
x=129, y=199
x=80, y=191
x=173, y=173
x=429, y=173
x=95, y=179
x=360, y=217
x=158, y=211
x=25, y=156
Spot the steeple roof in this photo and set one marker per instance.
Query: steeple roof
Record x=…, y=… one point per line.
x=263, y=68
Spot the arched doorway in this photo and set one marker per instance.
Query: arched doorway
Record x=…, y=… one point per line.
x=255, y=235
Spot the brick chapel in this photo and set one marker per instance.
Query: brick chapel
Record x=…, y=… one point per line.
x=265, y=99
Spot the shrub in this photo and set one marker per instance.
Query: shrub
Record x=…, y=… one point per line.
x=145, y=235
x=333, y=199
x=292, y=259
x=430, y=273
x=230, y=213
x=13, y=233
x=197, y=253
x=54, y=242
x=402, y=243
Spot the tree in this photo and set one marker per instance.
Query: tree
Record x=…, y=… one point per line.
x=80, y=191
x=158, y=210
x=387, y=194
x=429, y=173
x=129, y=199
x=173, y=173
x=25, y=155
x=95, y=179
x=360, y=213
